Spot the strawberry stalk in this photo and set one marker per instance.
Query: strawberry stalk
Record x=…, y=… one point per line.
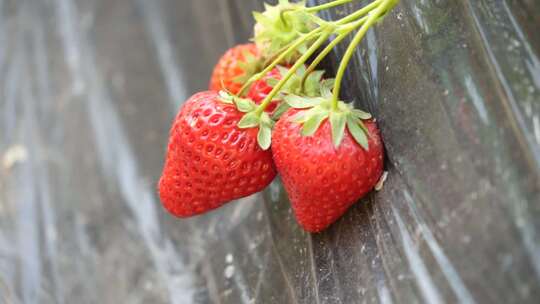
x=328, y=105
x=359, y=13
x=381, y=10
x=328, y=5
x=341, y=26
x=346, y=31
x=346, y=25
x=325, y=34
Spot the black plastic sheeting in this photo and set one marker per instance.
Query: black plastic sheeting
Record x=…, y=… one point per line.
x=88, y=89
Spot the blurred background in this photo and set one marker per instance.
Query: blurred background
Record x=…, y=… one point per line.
x=88, y=89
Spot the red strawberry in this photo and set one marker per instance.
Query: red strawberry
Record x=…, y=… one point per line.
x=235, y=67
x=324, y=181
x=211, y=161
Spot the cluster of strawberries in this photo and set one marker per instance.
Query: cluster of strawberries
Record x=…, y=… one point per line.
x=258, y=119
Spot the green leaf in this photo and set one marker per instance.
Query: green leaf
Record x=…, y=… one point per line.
x=361, y=114
x=357, y=133
x=313, y=122
x=244, y=105
x=264, y=137
x=299, y=102
x=249, y=120
x=282, y=108
x=337, y=121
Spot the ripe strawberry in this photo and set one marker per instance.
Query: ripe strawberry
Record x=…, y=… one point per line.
x=324, y=181
x=211, y=161
x=235, y=67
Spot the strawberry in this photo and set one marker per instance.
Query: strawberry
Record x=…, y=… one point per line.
x=328, y=159
x=210, y=160
x=235, y=67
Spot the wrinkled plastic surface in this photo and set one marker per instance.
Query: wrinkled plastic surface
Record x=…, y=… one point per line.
x=87, y=93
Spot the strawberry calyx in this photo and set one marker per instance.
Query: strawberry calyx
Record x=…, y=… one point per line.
x=281, y=24
x=252, y=118
x=317, y=109
x=311, y=85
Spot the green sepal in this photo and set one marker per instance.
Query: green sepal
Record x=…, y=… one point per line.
x=264, y=136
x=266, y=120
x=313, y=122
x=337, y=122
x=302, y=116
x=328, y=83
x=300, y=102
x=244, y=105
x=261, y=18
x=358, y=133
x=299, y=117
x=282, y=70
x=250, y=65
x=280, y=110
x=249, y=120
x=345, y=116
x=272, y=82
x=225, y=97
x=275, y=29
x=326, y=92
x=361, y=114
x=313, y=83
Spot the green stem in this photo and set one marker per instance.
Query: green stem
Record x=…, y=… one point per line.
x=359, y=13
x=283, y=49
x=292, y=48
x=325, y=34
x=321, y=7
x=289, y=49
x=352, y=25
x=384, y=7
x=345, y=32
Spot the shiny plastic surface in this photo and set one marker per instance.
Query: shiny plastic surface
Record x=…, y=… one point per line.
x=88, y=89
